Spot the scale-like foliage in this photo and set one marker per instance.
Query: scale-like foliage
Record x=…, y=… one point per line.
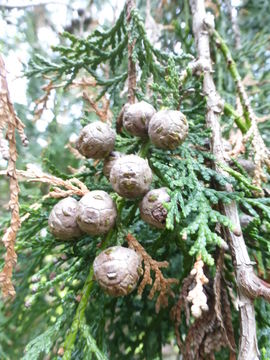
x=58, y=306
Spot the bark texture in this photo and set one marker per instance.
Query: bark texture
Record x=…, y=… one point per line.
x=249, y=285
x=130, y=5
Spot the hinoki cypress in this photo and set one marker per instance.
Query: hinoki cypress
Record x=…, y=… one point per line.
x=163, y=198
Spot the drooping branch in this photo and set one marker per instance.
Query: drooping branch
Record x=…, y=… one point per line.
x=10, y=121
x=247, y=288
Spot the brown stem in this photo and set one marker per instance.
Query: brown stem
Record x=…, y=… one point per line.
x=248, y=284
x=252, y=285
x=9, y=120
x=131, y=64
x=60, y=188
x=161, y=284
x=182, y=303
x=104, y=112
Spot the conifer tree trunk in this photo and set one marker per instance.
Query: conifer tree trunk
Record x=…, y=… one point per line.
x=248, y=349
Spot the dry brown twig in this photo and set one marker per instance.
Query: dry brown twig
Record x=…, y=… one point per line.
x=222, y=305
x=73, y=170
x=213, y=329
x=161, y=284
x=41, y=103
x=181, y=304
x=61, y=188
x=9, y=120
x=103, y=113
x=71, y=187
x=197, y=296
x=84, y=83
x=74, y=151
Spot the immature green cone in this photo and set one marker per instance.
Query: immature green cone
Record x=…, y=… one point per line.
x=151, y=207
x=136, y=118
x=131, y=176
x=96, y=213
x=62, y=220
x=117, y=270
x=96, y=140
x=168, y=129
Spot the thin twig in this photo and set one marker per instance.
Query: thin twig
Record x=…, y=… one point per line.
x=161, y=284
x=9, y=119
x=41, y=103
x=103, y=113
x=61, y=188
